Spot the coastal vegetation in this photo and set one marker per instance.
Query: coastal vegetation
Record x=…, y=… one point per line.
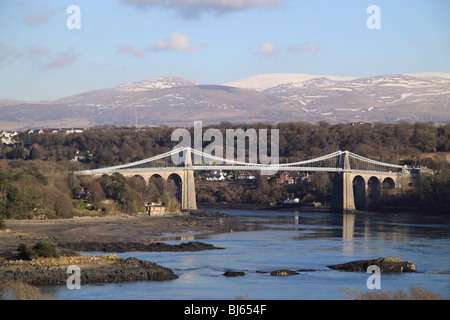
x=19, y=290
x=40, y=249
x=33, y=182
x=415, y=293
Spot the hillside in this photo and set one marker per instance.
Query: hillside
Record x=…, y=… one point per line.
x=264, y=98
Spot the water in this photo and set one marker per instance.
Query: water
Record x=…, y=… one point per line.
x=292, y=240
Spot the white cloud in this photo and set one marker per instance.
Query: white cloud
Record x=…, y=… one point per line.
x=40, y=57
x=193, y=8
x=131, y=50
x=176, y=42
x=266, y=48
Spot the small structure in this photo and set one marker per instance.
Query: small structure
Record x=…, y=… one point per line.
x=246, y=175
x=287, y=178
x=155, y=209
x=7, y=138
x=82, y=156
x=216, y=175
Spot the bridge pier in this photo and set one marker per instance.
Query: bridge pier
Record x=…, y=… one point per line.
x=354, y=190
x=343, y=199
x=188, y=200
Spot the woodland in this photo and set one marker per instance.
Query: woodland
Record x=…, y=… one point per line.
x=34, y=182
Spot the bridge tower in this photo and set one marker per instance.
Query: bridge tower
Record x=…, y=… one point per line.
x=188, y=200
x=343, y=199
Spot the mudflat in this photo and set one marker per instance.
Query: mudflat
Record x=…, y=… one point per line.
x=113, y=228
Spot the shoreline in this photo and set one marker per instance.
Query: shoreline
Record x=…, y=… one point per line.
x=114, y=233
x=108, y=234
x=117, y=228
x=379, y=210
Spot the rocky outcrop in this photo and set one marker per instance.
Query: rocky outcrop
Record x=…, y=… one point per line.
x=387, y=264
x=48, y=272
x=135, y=246
x=280, y=272
x=230, y=273
x=283, y=272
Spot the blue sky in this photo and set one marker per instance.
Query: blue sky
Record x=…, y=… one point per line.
x=212, y=41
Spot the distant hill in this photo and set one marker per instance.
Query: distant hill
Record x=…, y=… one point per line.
x=263, y=98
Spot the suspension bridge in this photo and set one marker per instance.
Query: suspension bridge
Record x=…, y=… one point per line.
x=357, y=178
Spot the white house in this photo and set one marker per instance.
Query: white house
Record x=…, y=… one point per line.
x=216, y=176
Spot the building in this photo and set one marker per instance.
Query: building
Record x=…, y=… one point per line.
x=81, y=156
x=155, y=209
x=296, y=200
x=287, y=178
x=246, y=175
x=216, y=175
x=7, y=138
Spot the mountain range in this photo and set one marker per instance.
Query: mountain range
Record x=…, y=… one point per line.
x=263, y=98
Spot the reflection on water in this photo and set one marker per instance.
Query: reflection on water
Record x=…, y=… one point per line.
x=292, y=240
x=348, y=226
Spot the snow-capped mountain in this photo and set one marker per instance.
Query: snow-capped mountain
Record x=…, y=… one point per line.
x=265, y=98
x=412, y=97
x=266, y=81
x=156, y=83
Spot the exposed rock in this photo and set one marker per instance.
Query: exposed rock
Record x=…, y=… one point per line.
x=230, y=273
x=306, y=270
x=47, y=272
x=283, y=272
x=387, y=264
x=206, y=213
x=136, y=246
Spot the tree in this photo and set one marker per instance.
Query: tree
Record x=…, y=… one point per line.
x=34, y=154
x=322, y=183
x=433, y=192
x=96, y=193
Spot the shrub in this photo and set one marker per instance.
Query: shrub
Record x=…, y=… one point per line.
x=46, y=250
x=17, y=290
x=26, y=253
x=41, y=249
x=415, y=293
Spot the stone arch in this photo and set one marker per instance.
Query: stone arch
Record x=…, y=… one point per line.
x=156, y=186
x=359, y=192
x=373, y=188
x=177, y=180
x=388, y=183
x=137, y=182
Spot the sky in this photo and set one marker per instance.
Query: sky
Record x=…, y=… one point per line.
x=51, y=49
